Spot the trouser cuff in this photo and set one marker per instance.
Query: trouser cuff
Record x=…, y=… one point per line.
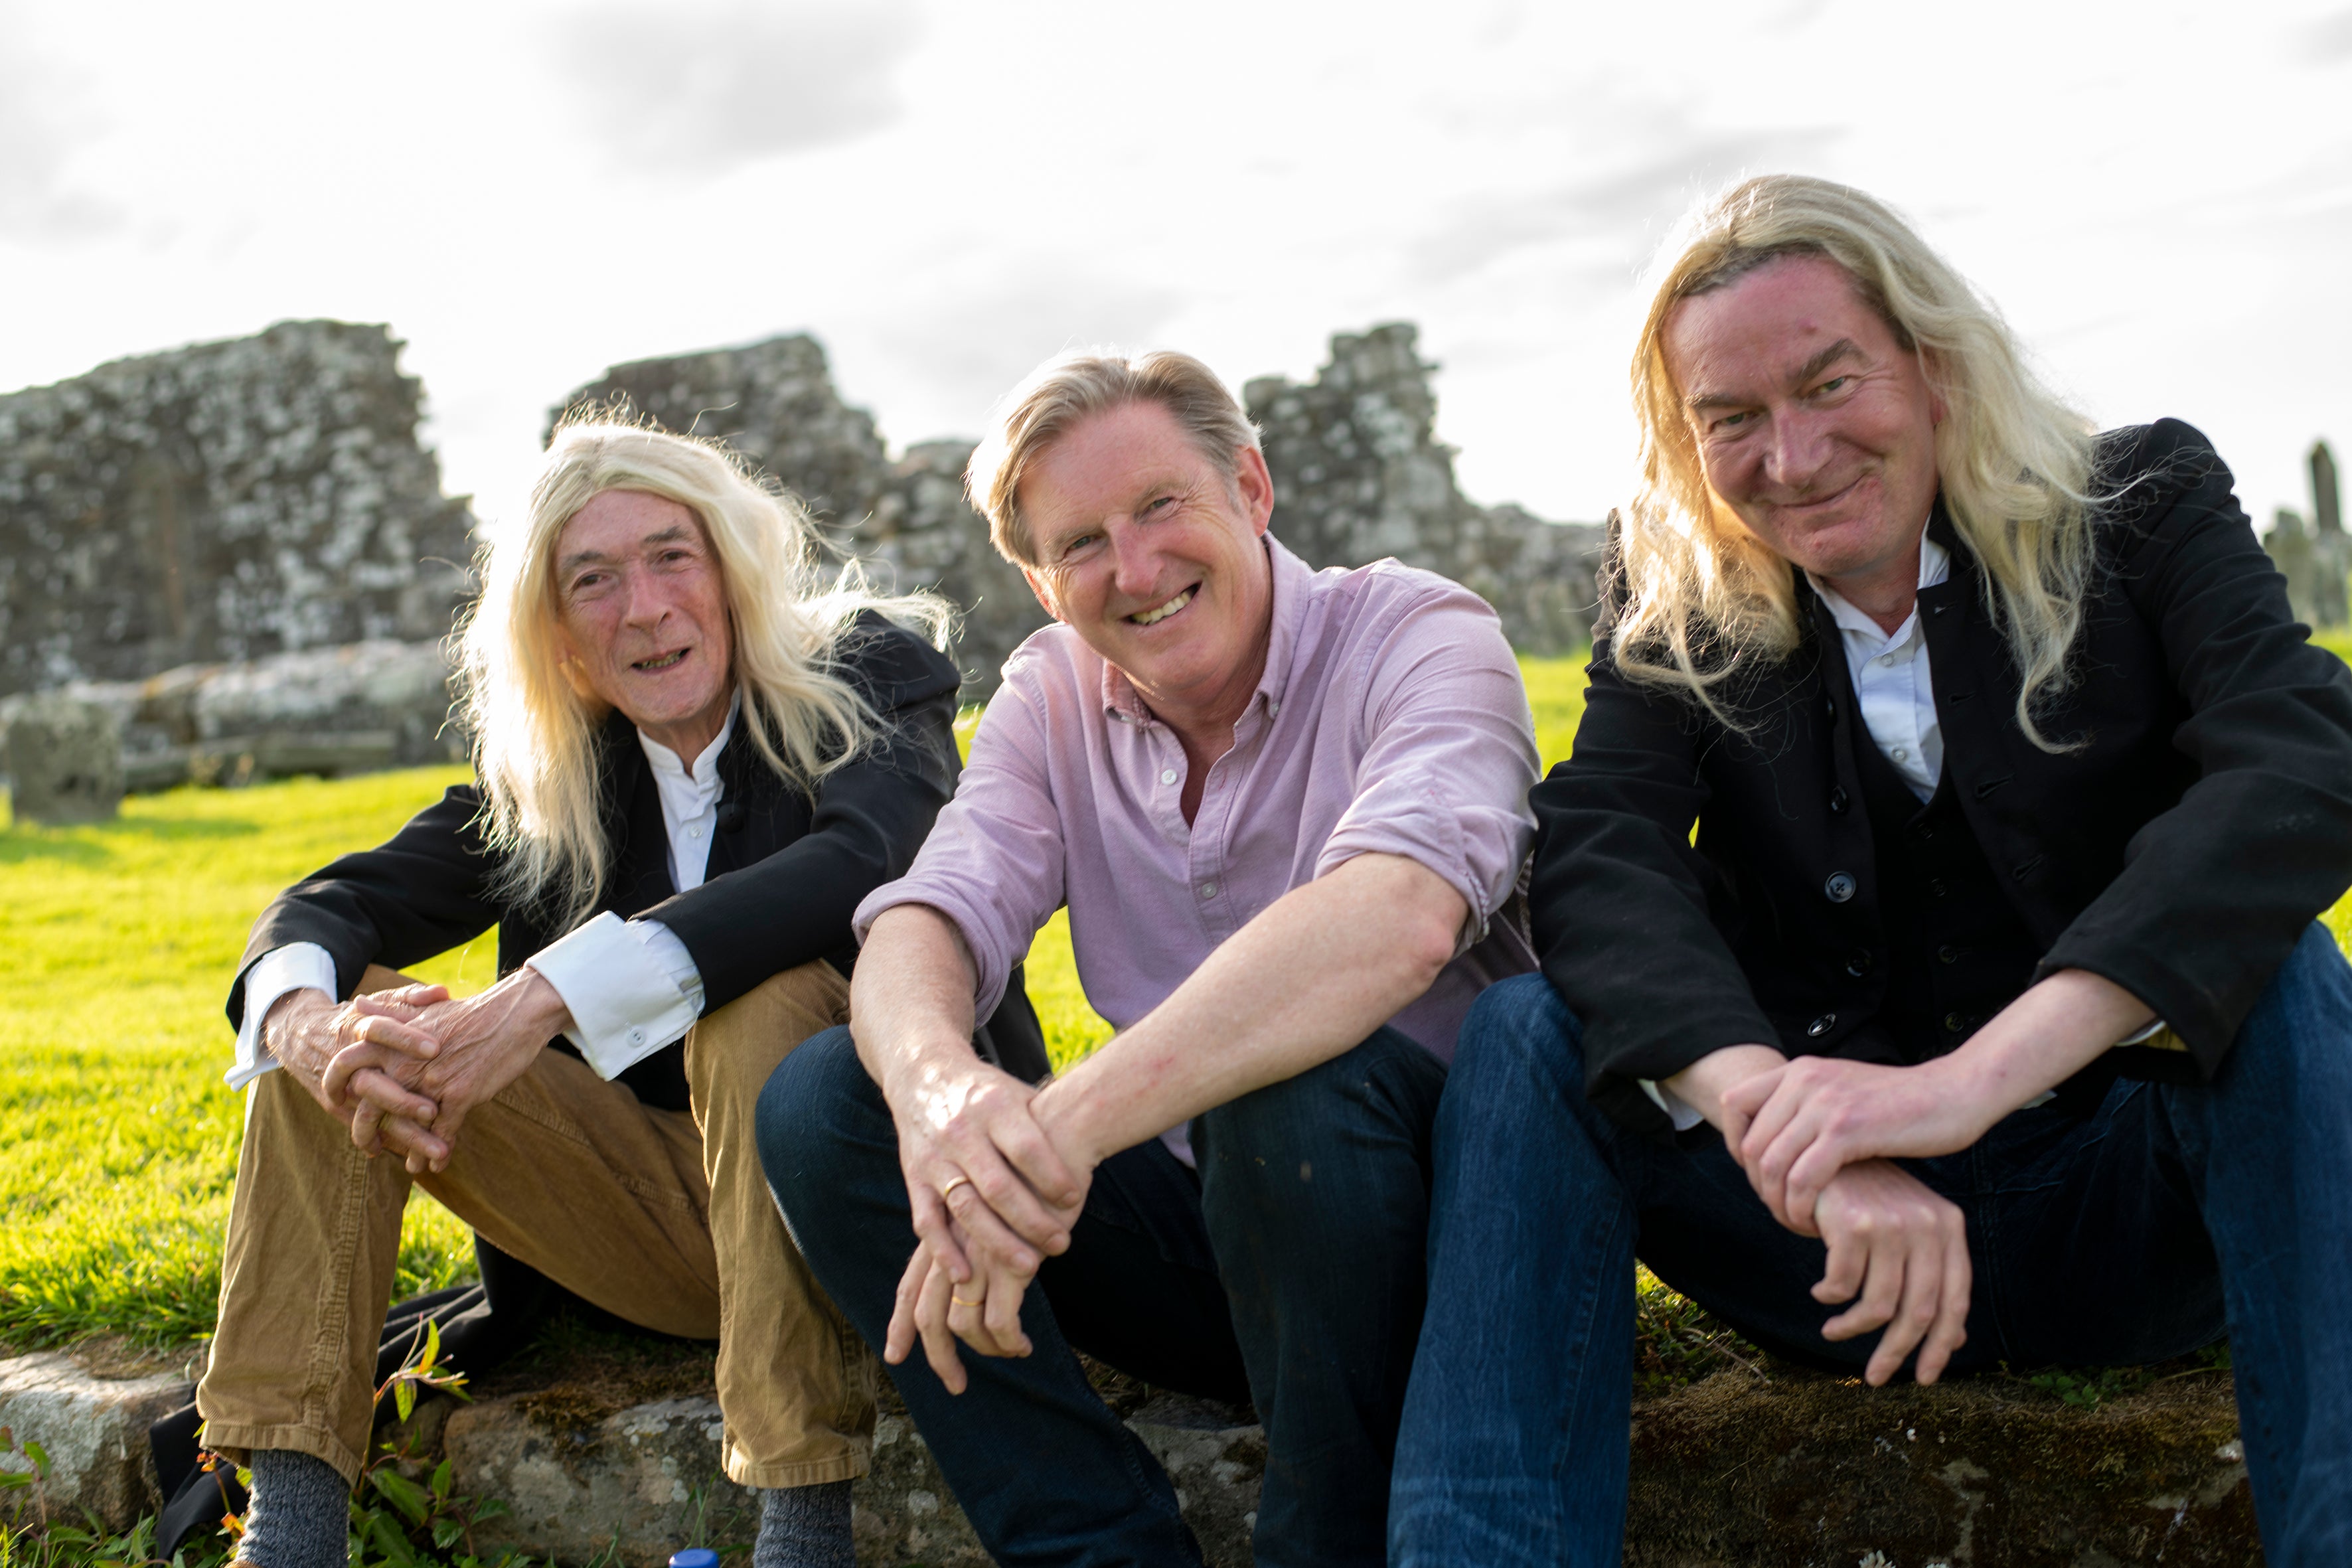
x=846, y=1466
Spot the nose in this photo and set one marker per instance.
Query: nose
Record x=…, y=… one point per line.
x=645, y=604
x=1798, y=450
x=1135, y=563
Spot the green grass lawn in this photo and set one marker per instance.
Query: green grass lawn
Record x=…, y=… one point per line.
x=118, y=1140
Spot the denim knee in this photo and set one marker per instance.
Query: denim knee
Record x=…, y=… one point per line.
x=1517, y=1024
x=805, y=1109
x=1327, y=1099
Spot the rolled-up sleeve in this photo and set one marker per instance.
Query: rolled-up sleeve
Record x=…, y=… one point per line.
x=1449, y=757
x=993, y=862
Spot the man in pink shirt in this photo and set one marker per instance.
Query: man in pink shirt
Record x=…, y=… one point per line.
x=1288, y=812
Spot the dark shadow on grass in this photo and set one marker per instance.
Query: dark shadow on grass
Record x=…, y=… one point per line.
x=86, y=845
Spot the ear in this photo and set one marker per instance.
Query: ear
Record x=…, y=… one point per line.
x=1256, y=488
x=1036, y=581
x=1938, y=409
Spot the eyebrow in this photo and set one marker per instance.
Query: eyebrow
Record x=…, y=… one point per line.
x=1841, y=349
x=580, y=558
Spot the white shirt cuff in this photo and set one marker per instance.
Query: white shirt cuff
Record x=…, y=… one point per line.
x=297, y=966
x=623, y=989
x=1673, y=1104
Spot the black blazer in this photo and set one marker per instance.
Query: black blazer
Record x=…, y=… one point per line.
x=785, y=872
x=2180, y=849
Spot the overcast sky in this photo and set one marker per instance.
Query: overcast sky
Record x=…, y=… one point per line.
x=2159, y=197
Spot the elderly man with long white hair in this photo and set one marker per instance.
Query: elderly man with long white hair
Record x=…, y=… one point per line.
x=694, y=757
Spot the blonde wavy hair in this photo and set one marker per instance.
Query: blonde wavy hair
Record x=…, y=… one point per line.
x=534, y=731
x=1706, y=599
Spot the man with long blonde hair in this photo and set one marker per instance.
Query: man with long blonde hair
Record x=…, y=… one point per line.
x=1927, y=915
x=694, y=757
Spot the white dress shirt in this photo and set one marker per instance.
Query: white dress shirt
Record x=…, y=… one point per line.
x=631, y=986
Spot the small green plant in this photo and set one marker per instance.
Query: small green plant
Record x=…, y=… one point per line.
x=1677, y=1342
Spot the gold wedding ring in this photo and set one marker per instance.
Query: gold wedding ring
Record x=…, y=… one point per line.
x=952, y=1186
x=960, y=1301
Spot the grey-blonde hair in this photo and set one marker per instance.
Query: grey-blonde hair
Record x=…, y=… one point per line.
x=1071, y=388
x=534, y=733
x=1705, y=597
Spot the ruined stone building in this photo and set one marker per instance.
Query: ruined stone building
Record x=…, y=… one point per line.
x=221, y=502
x=2316, y=560
x=1359, y=474
x=240, y=554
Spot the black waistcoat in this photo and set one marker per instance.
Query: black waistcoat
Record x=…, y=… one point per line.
x=1958, y=951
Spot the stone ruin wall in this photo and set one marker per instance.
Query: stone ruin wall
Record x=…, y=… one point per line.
x=221, y=502
x=240, y=552
x=1359, y=474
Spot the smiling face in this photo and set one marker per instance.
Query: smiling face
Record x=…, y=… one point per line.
x=1155, y=558
x=1813, y=423
x=643, y=612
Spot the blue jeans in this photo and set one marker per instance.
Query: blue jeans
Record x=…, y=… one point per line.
x=2146, y=1230
x=1289, y=1270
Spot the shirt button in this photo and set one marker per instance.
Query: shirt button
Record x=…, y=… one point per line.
x=1168, y=775
x=1901, y=756
x=636, y=1036
x=1884, y=659
x=1208, y=889
x=694, y=833
x=1839, y=887
x=1821, y=1026
x=1271, y=708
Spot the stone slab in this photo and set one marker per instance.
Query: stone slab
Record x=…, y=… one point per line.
x=93, y=1429
x=1734, y=1472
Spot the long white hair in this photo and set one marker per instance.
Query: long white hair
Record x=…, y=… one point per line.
x=534, y=731
x=1705, y=597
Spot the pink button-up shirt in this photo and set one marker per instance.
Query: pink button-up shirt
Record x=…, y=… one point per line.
x=1391, y=719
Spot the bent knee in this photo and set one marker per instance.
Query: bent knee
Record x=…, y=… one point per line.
x=1517, y=1021
x=802, y=1120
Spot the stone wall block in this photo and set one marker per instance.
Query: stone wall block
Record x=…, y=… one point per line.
x=646, y=1477
x=94, y=1431
x=65, y=761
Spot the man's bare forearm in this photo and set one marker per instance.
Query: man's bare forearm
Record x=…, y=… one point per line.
x=1311, y=976
x=910, y=1000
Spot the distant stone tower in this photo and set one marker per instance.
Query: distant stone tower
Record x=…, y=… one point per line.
x=2331, y=549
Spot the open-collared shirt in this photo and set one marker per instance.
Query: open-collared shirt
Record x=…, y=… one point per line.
x=1391, y=719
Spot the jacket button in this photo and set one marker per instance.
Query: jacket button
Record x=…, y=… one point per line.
x=1838, y=801
x=1857, y=963
x=1829, y=708
x=1839, y=887
x=1947, y=953
x=1955, y=1023
x=1936, y=886
x=1821, y=1026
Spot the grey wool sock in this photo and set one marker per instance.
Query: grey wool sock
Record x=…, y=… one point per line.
x=301, y=1512
x=800, y=1527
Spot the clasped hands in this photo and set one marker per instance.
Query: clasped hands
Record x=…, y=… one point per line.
x=402, y=1067
x=994, y=1194
x=1818, y=1137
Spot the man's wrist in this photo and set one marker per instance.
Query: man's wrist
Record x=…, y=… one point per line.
x=1062, y=1113
x=1703, y=1084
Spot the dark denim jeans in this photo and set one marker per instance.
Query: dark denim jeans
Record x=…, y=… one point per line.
x=2141, y=1232
x=1289, y=1269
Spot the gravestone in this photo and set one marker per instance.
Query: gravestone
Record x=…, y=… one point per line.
x=65, y=761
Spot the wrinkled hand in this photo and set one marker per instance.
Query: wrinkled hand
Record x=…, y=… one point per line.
x=1793, y=1128
x=1905, y=1249
x=992, y=1197
x=411, y=1081
x=305, y=1029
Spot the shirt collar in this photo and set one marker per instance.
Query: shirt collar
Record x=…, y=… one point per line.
x=1293, y=581
x=666, y=764
x=1935, y=567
